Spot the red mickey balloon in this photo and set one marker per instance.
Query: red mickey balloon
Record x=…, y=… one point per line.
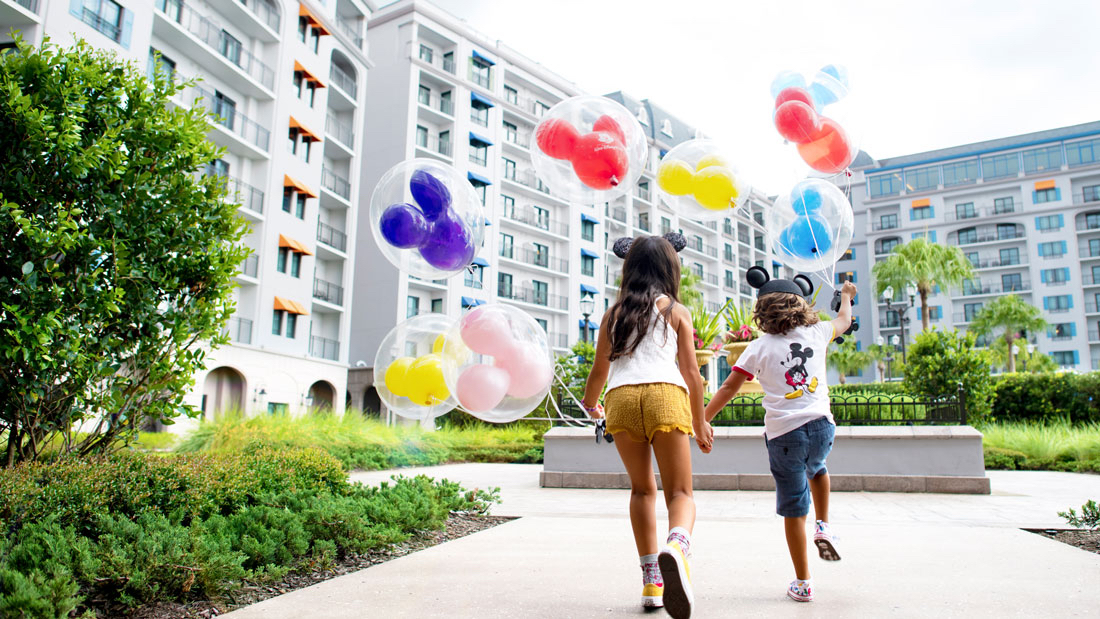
x=608, y=124
x=797, y=122
x=793, y=93
x=829, y=150
x=557, y=138
x=600, y=160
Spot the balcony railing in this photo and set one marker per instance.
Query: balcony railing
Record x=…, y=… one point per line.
x=522, y=140
x=529, y=295
x=250, y=266
x=984, y=211
x=324, y=348
x=1092, y=308
x=213, y=36
x=527, y=178
x=729, y=284
x=537, y=219
x=699, y=246
x=559, y=340
x=1088, y=224
x=618, y=213
x=710, y=278
x=328, y=292
x=346, y=82
x=539, y=259
x=1086, y=197
x=1094, y=336
x=108, y=28
x=642, y=223
x=989, y=238
x=239, y=330
x=745, y=289
x=240, y=192
x=1087, y=252
x=439, y=61
x=1088, y=280
x=350, y=29
x=335, y=183
x=343, y=133
x=642, y=194
x=30, y=5
x=962, y=318
x=997, y=263
x=229, y=117
x=970, y=290
x=435, y=102
x=331, y=236
x=264, y=11
x=434, y=144
x=885, y=225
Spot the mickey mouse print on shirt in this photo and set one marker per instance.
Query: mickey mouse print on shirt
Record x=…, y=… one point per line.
x=798, y=375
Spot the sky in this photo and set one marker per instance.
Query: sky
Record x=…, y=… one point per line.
x=924, y=75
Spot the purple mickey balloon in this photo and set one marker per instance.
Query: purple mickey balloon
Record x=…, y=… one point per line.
x=403, y=226
x=430, y=194
x=449, y=246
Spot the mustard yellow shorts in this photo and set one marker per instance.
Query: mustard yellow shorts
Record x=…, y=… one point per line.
x=642, y=410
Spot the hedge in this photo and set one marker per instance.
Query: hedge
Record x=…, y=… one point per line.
x=1046, y=397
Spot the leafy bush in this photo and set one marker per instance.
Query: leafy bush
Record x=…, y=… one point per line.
x=1054, y=445
x=939, y=362
x=1089, y=518
x=890, y=388
x=1045, y=397
x=848, y=406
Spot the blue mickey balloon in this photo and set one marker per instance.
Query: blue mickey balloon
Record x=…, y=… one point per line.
x=430, y=194
x=450, y=245
x=839, y=72
x=805, y=199
x=786, y=79
x=808, y=237
x=829, y=86
x=403, y=226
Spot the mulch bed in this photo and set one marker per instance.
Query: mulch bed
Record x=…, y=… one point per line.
x=458, y=525
x=1085, y=540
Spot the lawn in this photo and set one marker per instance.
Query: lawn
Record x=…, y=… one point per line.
x=1049, y=445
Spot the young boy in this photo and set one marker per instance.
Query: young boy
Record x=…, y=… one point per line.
x=789, y=361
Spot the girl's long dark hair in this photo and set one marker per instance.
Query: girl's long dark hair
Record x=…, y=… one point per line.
x=651, y=268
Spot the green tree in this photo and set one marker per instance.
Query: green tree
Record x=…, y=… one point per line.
x=846, y=360
x=120, y=256
x=1012, y=316
x=877, y=355
x=939, y=363
x=690, y=295
x=924, y=265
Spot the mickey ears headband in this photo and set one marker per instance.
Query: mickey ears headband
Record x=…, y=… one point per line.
x=758, y=278
x=622, y=245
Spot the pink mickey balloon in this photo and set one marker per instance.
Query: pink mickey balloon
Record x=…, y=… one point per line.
x=486, y=331
x=528, y=368
x=481, y=387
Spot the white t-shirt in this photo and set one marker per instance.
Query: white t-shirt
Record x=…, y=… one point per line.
x=791, y=371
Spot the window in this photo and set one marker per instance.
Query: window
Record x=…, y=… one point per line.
x=888, y=222
x=960, y=173
x=1052, y=249
x=892, y=319
x=506, y=245
x=281, y=258
x=1094, y=273
x=511, y=132
x=509, y=169
x=884, y=185
x=542, y=217
x=480, y=190
x=1012, y=282
x=1094, y=248
x=295, y=264
x=541, y=296
x=230, y=47
x=697, y=269
x=542, y=323
x=412, y=306
x=449, y=62
x=218, y=167
x=1045, y=158
x=1090, y=193
x=729, y=279
x=1048, y=223
x=643, y=116
x=424, y=95
x=1010, y=255
x=479, y=153
x=479, y=114
x=643, y=190
x=758, y=241
x=437, y=304
x=291, y=325
x=728, y=253
x=935, y=312
x=1003, y=205
x=541, y=109
x=1054, y=276
x=1064, y=358
x=277, y=322
x=1083, y=153
x=846, y=276
x=643, y=221
x=504, y=285
x=1045, y=195
x=666, y=127
x=474, y=277
x=1007, y=231
x=421, y=136
x=511, y=95
x=970, y=310
x=303, y=29
x=315, y=36
x=288, y=199
x=1092, y=221
x=974, y=259
x=849, y=254
x=480, y=73
x=160, y=62
x=300, y=206
x=1000, y=166
x=226, y=109
x=426, y=53
x=968, y=235
x=299, y=144
x=887, y=246
x=666, y=225
x=445, y=142
x=965, y=210
x=106, y=16
x=922, y=179
x=727, y=227
x=1059, y=303
x=588, y=265
x=542, y=255
x=588, y=230
x=921, y=212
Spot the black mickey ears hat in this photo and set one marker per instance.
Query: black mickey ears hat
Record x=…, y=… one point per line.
x=758, y=278
x=622, y=245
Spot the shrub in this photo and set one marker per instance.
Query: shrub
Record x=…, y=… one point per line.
x=1089, y=518
x=939, y=362
x=1046, y=397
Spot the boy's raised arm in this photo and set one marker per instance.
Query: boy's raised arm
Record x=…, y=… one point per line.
x=724, y=394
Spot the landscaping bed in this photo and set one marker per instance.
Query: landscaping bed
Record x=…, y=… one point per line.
x=1080, y=538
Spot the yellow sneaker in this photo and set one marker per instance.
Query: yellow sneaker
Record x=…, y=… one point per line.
x=652, y=596
x=676, y=572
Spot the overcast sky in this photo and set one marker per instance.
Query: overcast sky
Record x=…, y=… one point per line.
x=924, y=75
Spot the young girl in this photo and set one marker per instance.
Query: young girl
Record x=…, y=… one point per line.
x=654, y=402
x=789, y=361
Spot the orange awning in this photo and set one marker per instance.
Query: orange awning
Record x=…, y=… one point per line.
x=311, y=18
x=297, y=186
x=922, y=202
x=1040, y=185
x=293, y=307
x=309, y=76
x=306, y=133
x=298, y=246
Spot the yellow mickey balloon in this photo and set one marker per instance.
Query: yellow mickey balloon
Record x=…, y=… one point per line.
x=675, y=177
x=711, y=160
x=396, y=377
x=426, y=380
x=456, y=351
x=715, y=188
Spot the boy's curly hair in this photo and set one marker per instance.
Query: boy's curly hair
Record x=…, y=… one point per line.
x=779, y=312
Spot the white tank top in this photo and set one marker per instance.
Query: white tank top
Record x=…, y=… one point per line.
x=653, y=361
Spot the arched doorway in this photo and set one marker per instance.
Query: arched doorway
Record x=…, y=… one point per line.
x=322, y=395
x=372, y=404
x=222, y=391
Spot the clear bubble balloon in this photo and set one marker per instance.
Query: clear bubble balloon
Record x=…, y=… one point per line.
x=497, y=363
x=810, y=227
x=427, y=219
x=589, y=149
x=814, y=113
x=408, y=367
x=697, y=180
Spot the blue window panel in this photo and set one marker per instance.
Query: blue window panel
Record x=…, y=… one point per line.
x=1042, y=249
x=1064, y=249
x=1046, y=302
x=1076, y=357
x=1058, y=196
x=1043, y=276
x=127, y=28
x=1072, y=329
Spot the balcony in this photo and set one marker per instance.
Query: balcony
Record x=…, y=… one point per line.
x=534, y=258
x=335, y=183
x=558, y=340
x=254, y=17
x=1092, y=308
x=350, y=29
x=618, y=213
x=443, y=110
x=243, y=194
x=237, y=132
x=1094, y=337
x=962, y=318
x=730, y=284
x=890, y=224
x=16, y=12
x=345, y=81
x=440, y=62
x=536, y=219
x=710, y=279
x=519, y=140
x=641, y=223
x=1088, y=279
x=238, y=329
x=984, y=212
x=225, y=56
x=1087, y=252
x=534, y=297
x=324, y=348
x=528, y=179
x=1090, y=195
x=343, y=133
x=432, y=144
x=991, y=238
x=743, y=263
x=997, y=263
x=642, y=193
x=250, y=266
x=745, y=289
x=332, y=237
x=973, y=290
x=328, y=292
x=1088, y=224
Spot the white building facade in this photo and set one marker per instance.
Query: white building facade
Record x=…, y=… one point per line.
x=285, y=81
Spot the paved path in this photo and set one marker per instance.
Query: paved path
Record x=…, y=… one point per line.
x=571, y=554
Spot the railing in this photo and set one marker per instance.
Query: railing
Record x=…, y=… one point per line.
x=989, y=238
x=854, y=409
x=250, y=266
x=642, y=223
x=702, y=248
x=729, y=284
x=522, y=140
x=618, y=213
x=1086, y=252
x=1087, y=224
x=213, y=36
x=30, y=5
x=1057, y=310
x=1094, y=336
x=743, y=263
x=481, y=120
x=885, y=225
x=435, y=102
x=335, y=183
x=485, y=81
x=233, y=120
x=531, y=217
x=974, y=290
x=960, y=318
x=1086, y=197
x=529, y=295
x=350, y=31
x=324, y=348
x=1088, y=280
x=476, y=284
x=328, y=292
x=745, y=289
x=539, y=259
x=95, y=20
x=710, y=278
x=713, y=306
x=1092, y=308
x=343, y=133
x=480, y=159
x=527, y=178
x=984, y=211
x=438, y=61
x=240, y=192
x=885, y=323
x=331, y=236
x=642, y=194
x=433, y=143
x=239, y=330
x=712, y=225
x=346, y=82
x=996, y=263
x=264, y=11
x=558, y=340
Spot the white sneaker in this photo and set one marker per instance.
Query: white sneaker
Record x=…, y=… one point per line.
x=825, y=542
x=800, y=591
x=676, y=572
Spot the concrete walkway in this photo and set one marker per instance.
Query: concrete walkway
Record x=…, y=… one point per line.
x=571, y=554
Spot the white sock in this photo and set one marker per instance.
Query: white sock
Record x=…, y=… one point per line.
x=681, y=535
x=651, y=574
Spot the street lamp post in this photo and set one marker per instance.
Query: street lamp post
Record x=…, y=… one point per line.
x=588, y=306
x=890, y=355
x=901, y=310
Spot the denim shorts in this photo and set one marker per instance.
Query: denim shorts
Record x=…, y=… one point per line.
x=796, y=457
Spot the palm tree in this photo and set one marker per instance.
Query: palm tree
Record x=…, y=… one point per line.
x=1011, y=314
x=877, y=355
x=845, y=359
x=689, y=287
x=924, y=264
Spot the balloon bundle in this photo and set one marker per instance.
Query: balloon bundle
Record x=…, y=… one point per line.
x=408, y=367
x=599, y=157
x=699, y=182
x=419, y=379
x=430, y=225
x=811, y=226
x=799, y=117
